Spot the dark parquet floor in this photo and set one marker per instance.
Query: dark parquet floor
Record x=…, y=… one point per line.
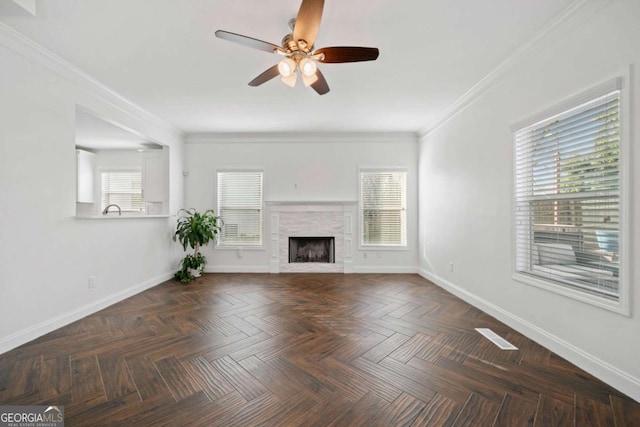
x=302, y=350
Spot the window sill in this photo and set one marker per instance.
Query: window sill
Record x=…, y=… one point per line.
x=123, y=216
x=241, y=248
x=600, y=302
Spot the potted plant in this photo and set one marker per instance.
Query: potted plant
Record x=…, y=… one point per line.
x=194, y=230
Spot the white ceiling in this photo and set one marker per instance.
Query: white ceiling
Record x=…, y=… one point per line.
x=163, y=56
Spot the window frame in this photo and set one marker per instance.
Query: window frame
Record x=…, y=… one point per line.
x=622, y=305
x=122, y=170
x=383, y=247
x=258, y=246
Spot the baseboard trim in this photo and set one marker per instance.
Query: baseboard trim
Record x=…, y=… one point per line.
x=620, y=380
x=237, y=269
x=381, y=269
x=269, y=269
x=29, y=334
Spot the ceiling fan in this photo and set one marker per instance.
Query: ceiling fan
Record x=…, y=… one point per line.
x=298, y=50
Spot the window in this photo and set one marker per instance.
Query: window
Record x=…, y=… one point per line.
x=123, y=188
x=383, y=204
x=567, y=198
x=240, y=206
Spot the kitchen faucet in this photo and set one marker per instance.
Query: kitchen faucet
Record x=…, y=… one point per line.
x=106, y=210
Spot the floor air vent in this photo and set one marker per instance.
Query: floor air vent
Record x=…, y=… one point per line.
x=496, y=339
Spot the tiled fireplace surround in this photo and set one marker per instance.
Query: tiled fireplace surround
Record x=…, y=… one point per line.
x=311, y=219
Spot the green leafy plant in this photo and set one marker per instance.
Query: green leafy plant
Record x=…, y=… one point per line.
x=191, y=263
x=194, y=230
x=184, y=276
x=195, y=262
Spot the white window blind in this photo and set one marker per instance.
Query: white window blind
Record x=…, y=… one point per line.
x=123, y=188
x=567, y=191
x=383, y=201
x=240, y=206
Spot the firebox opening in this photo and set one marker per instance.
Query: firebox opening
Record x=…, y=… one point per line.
x=312, y=249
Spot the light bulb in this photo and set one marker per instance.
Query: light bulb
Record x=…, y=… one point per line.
x=286, y=67
x=308, y=67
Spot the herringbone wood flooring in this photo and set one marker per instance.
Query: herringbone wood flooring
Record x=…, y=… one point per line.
x=302, y=350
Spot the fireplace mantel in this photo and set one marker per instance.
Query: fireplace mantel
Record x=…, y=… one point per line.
x=295, y=218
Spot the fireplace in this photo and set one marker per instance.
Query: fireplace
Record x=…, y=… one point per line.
x=312, y=249
x=311, y=219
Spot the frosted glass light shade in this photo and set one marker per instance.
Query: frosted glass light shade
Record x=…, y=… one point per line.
x=290, y=80
x=286, y=67
x=308, y=67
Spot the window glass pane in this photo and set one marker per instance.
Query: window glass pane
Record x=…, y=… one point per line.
x=383, y=205
x=240, y=206
x=567, y=190
x=123, y=189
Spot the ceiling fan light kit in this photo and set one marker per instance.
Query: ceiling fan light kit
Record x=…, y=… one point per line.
x=297, y=49
x=286, y=67
x=308, y=67
x=290, y=80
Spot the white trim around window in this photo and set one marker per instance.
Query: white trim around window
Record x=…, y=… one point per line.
x=240, y=203
x=382, y=204
x=572, y=198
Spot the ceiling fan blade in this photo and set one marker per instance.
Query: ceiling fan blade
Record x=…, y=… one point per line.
x=308, y=21
x=320, y=85
x=247, y=41
x=348, y=54
x=265, y=77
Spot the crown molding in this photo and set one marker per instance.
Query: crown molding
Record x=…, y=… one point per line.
x=571, y=16
x=302, y=137
x=27, y=5
x=28, y=48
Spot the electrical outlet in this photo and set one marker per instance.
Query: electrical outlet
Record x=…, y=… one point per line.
x=365, y=255
x=92, y=282
x=451, y=266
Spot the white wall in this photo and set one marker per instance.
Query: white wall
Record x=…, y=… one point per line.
x=466, y=195
x=46, y=254
x=303, y=168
